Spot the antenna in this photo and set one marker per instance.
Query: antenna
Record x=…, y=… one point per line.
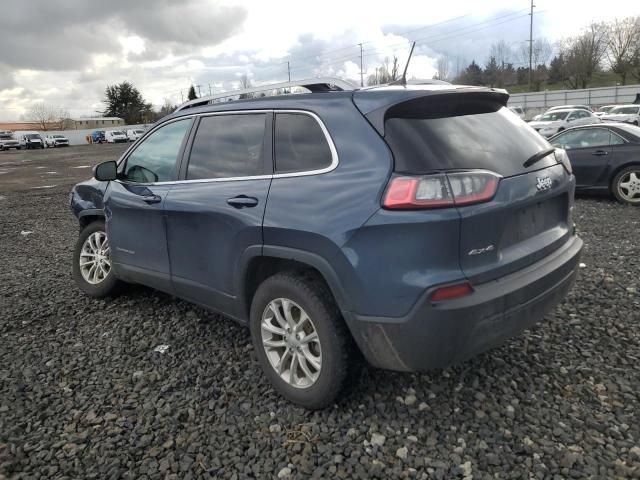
x=403, y=79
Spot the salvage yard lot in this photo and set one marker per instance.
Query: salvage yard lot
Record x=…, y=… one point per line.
x=84, y=394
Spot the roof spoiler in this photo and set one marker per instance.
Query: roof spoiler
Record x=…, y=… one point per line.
x=376, y=113
x=314, y=85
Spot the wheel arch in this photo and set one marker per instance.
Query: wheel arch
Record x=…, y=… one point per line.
x=89, y=216
x=258, y=266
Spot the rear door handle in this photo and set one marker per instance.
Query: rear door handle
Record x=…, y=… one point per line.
x=242, y=201
x=152, y=199
x=600, y=153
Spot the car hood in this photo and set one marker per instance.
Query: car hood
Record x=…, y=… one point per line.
x=539, y=124
x=619, y=116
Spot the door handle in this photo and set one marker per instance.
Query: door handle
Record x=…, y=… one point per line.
x=242, y=201
x=600, y=153
x=152, y=199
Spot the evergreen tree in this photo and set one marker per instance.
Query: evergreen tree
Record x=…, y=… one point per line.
x=125, y=101
x=192, y=93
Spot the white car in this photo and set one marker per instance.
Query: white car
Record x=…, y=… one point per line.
x=604, y=110
x=134, y=134
x=556, y=121
x=115, y=136
x=569, y=107
x=624, y=113
x=518, y=110
x=8, y=140
x=56, y=140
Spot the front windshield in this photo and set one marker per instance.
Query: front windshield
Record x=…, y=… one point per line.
x=554, y=116
x=117, y=133
x=33, y=136
x=58, y=136
x=624, y=110
x=606, y=109
x=5, y=136
x=139, y=131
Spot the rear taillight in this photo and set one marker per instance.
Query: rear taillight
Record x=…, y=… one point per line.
x=563, y=158
x=440, y=190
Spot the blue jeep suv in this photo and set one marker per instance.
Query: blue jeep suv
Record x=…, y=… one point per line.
x=412, y=226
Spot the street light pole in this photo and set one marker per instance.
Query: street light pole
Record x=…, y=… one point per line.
x=361, y=71
x=531, y=44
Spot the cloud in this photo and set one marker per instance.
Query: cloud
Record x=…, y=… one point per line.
x=67, y=34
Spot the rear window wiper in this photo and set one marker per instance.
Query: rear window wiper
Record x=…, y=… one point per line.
x=538, y=156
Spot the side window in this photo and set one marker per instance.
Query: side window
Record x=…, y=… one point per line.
x=228, y=146
x=299, y=144
x=616, y=139
x=587, y=138
x=154, y=160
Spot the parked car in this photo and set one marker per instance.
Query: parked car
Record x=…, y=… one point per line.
x=30, y=140
x=624, y=113
x=558, y=120
x=97, y=136
x=604, y=157
x=8, y=141
x=115, y=136
x=604, y=110
x=518, y=111
x=56, y=140
x=134, y=134
x=570, y=107
x=415, y=227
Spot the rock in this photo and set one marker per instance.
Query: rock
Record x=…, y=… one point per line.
x=569, y=459
x=275, y=428
x=410, y=400
x=412, y=438
x=402, y=453
x=284, y=473
x=377, y=439
x=466, y=469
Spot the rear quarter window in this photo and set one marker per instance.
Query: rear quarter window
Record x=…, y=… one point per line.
x=299, y=144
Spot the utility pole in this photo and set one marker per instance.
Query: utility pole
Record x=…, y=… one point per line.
x=531, y=43
x=181, y=97
x=361, y=71
x=199, y=92
x=289, y=70
x=377, y=76
x=210, y=91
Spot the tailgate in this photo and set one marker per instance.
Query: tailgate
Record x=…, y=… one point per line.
x=529, y=217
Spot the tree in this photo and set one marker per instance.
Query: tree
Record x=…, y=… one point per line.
x=167, y=108
x=47, y=116
x=385, y=73
x=192, y=93
x=557, y=69
x=623, y=45
x=584, y=54
x=472, y=75
x=125, y=101
x=245, y=83
x=502, y=53
x=492, y=73
x=442, y=68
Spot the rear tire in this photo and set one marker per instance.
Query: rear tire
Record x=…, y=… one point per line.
x=626, y=185
x=314, y=372
x=92, y=268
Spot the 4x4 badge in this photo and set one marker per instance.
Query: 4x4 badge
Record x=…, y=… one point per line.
x=543, y=183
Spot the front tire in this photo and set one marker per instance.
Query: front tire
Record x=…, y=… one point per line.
x=626, y=185
x=301, y=341
x=92, y=268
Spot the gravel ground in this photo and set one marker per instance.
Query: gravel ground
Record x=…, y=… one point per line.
x=84, y=394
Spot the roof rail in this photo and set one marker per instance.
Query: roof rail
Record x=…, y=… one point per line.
x=323, y=84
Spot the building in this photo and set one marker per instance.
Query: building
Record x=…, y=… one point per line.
x=92, y=122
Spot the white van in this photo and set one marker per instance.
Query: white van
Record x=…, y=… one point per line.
x=134, y=134
x=115, y=136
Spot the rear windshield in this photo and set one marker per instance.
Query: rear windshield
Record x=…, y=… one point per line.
x=460, y=132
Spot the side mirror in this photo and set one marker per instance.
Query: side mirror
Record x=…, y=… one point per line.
x=106, y=171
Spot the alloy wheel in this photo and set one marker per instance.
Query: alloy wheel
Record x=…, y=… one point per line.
x=291, y=342
x=95, y=258
x=629, y=187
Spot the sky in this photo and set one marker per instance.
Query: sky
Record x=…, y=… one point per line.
x=65, y=52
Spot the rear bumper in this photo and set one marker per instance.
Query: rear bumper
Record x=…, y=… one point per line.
x=434, y=335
